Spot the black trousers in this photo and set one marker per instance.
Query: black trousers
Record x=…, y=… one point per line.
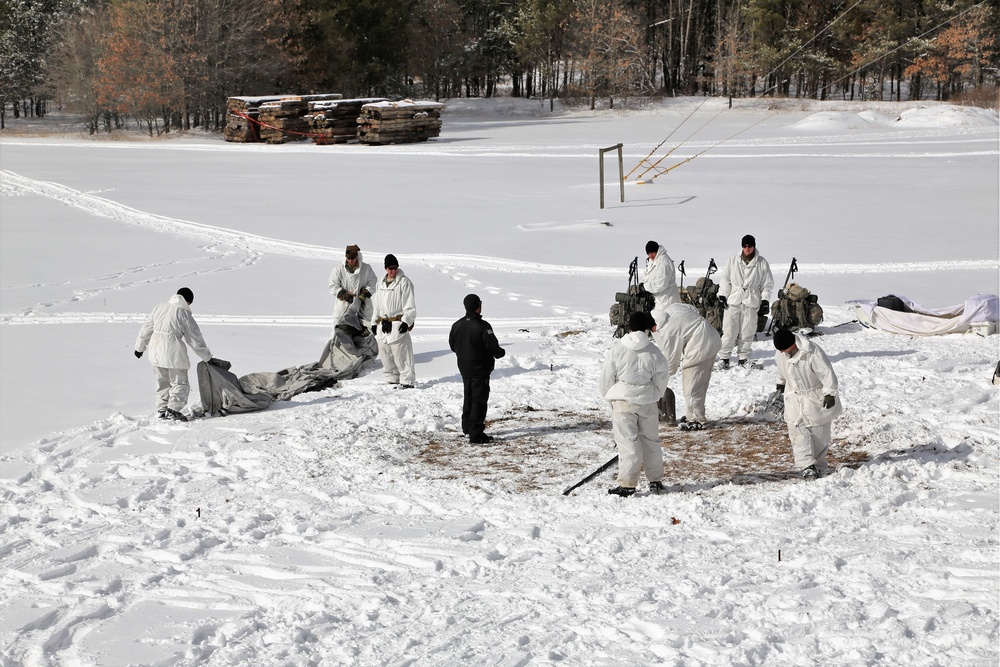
x=477, y=395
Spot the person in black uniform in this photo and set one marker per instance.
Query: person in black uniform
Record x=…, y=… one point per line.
x=473, y=342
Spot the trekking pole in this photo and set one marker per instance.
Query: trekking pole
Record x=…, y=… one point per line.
x=712, y=268
x=781, y=293
x=592, y=475
x=681, y=269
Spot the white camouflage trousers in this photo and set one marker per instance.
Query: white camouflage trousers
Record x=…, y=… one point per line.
x=739, y=325
x=695, y=379
x=172, y=388
x=397, y=360
x=810, y=445
x=637, y=433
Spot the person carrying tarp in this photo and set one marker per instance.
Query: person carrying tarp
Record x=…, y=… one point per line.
x=745, y=285
x=660, y=279
x=809, y=385
x=395, y=312
x=350, y=280
x=166, y=333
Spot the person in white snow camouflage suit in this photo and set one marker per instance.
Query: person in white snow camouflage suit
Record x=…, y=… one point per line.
x=809, y=386
x=395, y=312
x=166, y=333
x=350, y=280
x=690, y=344
x=633, y=378
x=745, y=285
x=660, y=279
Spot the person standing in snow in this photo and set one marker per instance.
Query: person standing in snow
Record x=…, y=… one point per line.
x=395, y=312
x=353, y=279
x=745, y=285
x=690, y=344
x=164, y=334
x=473, y=342
x=809, y=386
x=660, y=279
x=633, y=378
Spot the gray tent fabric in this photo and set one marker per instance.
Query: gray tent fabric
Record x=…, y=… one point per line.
x=222, y=394
x=343, y=357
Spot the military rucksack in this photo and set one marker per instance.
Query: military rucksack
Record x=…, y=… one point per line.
x=704, y=295
x=796, y=308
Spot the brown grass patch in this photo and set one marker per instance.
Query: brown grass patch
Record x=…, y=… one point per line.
x=551, y=449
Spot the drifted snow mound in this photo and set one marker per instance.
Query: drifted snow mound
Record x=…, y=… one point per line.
x=937, y=116
x=948, y=116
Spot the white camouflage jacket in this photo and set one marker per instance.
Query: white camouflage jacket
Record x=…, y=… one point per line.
x=746, y=284
x=165, y=333
x=363, y=277
x=685, y=337
x=808, y=377
x=660, y=279
x=634, y=371
x=395, y=300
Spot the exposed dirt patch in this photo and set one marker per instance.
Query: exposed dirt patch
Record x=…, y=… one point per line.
x=549, y=449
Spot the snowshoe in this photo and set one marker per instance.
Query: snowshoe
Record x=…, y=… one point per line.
x=810, y=473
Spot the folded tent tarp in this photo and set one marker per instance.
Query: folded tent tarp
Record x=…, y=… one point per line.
x=343, y=357
x=979, y=312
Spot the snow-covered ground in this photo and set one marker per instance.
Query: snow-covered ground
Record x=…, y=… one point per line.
x=355, y=526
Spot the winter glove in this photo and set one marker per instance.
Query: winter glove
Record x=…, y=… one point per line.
x=764, y=305
x=829, y=401
x=780, y=388
x=403, y=327
x=724, y=301
x=374, y=329
x=344, y=295
x=386, y=326
x=138, y=354
x=365, y=294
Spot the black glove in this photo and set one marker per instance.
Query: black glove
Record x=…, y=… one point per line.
x=764, y=305
x=403, y=327
x=138, y=354
x=781, y=294
x=724, y=301
x=386, y=326
x=829, y=401
x=365, y=294
x=344, y=295
x=374, y=329
x=780, y=388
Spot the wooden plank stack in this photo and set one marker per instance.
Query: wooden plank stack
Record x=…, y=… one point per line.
x=406, y=121
x=336, y=121
x=284, y=113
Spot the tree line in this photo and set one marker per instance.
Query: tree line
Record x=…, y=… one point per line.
x=168, y=64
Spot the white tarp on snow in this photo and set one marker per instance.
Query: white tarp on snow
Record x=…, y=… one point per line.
x=920, y=321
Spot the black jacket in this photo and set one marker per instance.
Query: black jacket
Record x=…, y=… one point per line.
x=472, y=340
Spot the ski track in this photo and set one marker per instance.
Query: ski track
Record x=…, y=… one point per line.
x=240, y=250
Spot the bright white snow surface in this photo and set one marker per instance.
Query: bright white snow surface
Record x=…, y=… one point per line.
x=355, y=526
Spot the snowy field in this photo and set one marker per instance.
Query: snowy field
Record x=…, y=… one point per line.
x=354, y=526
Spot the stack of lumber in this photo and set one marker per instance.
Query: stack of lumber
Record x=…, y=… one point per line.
x=336, y=121
x=406, y=121
x=271, y=118
x=241, y=114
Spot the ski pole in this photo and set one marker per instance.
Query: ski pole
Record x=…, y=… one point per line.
x=592, y=475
